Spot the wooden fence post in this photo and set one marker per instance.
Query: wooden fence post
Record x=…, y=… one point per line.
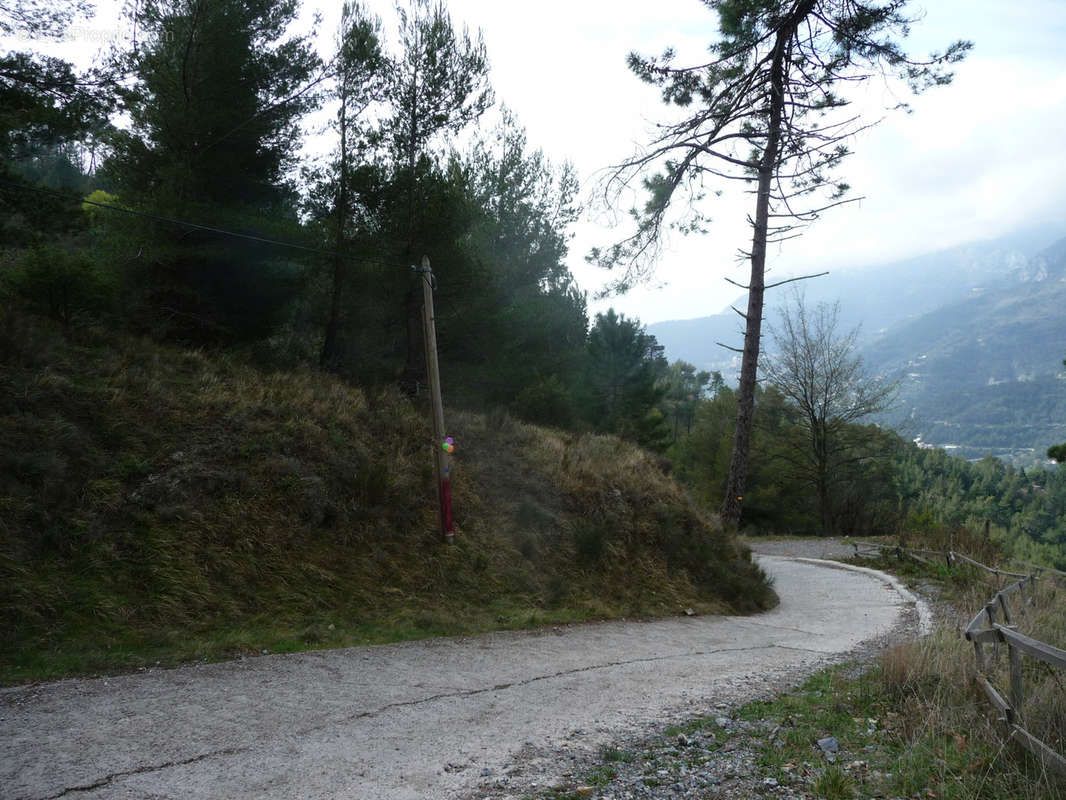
x=979, y=655
x=1003, y=605
x=1016, y=687
x=982, y=630
x=990, y=611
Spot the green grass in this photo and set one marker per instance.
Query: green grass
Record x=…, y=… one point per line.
x=910, y=725
x=920, y=738
x=915, y=720
x=168, y=505
x=828, y=704
x=612, y=755
x=834, y=784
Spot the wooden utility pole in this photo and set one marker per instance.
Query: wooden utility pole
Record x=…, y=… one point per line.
x=441, y=455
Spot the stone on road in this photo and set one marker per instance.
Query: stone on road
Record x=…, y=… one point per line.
x=416, y=720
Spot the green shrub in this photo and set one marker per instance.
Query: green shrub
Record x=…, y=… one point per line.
x=590, y=541
x=63, y=284
x=547, y=402
x=834, y=784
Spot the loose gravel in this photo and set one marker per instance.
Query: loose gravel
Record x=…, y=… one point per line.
x=655, y=765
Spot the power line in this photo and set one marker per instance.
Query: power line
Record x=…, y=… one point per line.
x=193, y=225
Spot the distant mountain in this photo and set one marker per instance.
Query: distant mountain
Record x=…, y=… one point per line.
x=977, y=333
x=877, y=298
x=984, y=375
x=695, y=341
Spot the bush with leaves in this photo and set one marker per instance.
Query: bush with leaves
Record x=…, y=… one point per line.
x=62, y=283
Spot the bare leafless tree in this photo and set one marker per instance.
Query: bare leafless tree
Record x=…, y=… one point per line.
x=819, y=370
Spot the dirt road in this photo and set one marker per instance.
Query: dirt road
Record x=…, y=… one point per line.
x=425, y=719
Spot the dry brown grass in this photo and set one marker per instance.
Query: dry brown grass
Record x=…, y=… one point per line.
x=970, y=541
x=941, y=707
x=1044, y=708
x=164, y=502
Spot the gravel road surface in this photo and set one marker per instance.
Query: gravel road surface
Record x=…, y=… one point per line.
x=430, y=719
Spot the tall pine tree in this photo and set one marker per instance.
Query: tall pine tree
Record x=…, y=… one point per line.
x=219, y=89
x=764, y=109
x=360, y=75
x=439, y=85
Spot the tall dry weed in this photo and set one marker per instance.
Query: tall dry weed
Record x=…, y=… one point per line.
x=941, y=706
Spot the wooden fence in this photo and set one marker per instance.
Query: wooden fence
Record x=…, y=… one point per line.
x=994, y=625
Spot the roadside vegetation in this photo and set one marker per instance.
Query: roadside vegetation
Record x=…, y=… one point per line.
x=161, y=504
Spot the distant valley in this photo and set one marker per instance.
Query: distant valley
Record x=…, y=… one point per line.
x=975, y=334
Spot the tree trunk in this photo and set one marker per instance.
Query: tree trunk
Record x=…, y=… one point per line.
x=738, y=463
x=328, y=356
x=822, y=483
x=821, y=457
x=749, y=365
x=415, y=364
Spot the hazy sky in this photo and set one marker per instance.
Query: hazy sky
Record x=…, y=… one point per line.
x=974, y=159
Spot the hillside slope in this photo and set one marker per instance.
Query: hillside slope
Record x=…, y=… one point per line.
x=982, y=375
x=976, y=334
x=164, y=504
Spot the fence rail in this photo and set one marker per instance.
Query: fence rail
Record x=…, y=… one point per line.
x=1039, y=569
x=994, y=625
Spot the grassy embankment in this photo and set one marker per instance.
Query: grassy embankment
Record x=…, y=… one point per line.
x=910, y=725
x=913, y=725
x=164, y=505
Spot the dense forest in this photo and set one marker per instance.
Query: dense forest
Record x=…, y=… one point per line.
x=167, y=192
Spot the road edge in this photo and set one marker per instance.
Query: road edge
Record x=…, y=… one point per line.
x=925, y=615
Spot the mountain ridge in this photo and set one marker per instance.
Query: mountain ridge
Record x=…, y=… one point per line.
x=952, y=326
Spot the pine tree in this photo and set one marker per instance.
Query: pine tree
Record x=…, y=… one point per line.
x=360, y=69
x=521, y=238
x=219, y=90
x=49, y=116
x=621, y=386
x=439, y=85
x=40, y=19
x=765, y=109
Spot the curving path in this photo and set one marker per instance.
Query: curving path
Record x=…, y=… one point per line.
x=421, y=719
